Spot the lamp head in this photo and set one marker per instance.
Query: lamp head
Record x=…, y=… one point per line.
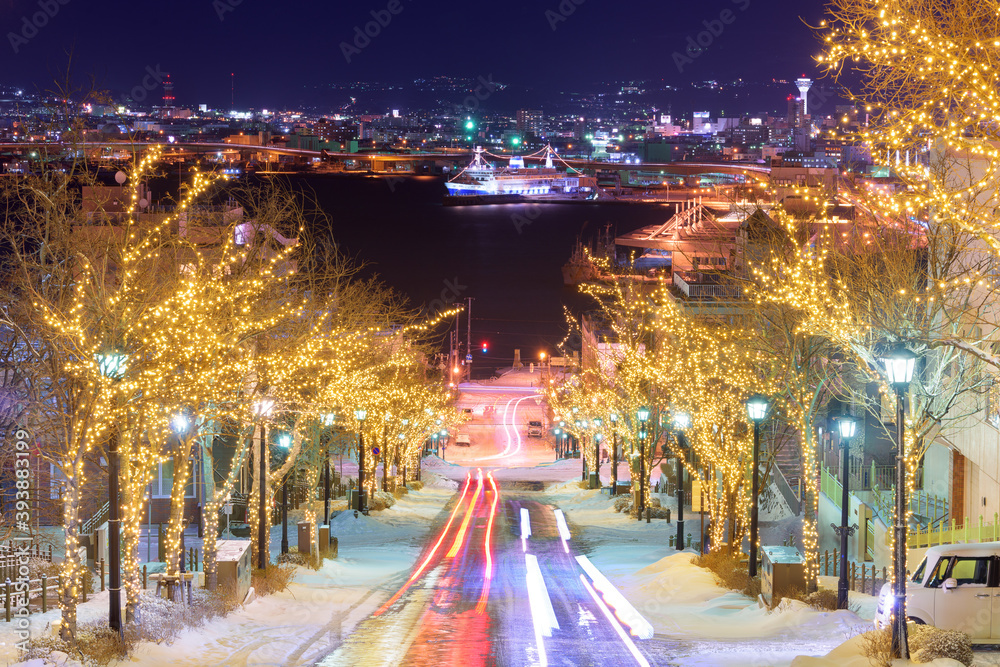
x=180, y=423
x=847, y=426
x=263, y=407
x=360, y=414
x=642, y=414
x=613, y=417
x=899, y=363
x=682, y=421
x=112, y=364
x=757, y=407
x=285, y=441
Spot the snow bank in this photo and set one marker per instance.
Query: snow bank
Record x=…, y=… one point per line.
x=851, y=654
x=683, y=600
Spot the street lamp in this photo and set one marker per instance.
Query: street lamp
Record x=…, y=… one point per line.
x=756, y=409
x=180, y=424
x=402, y=439
x=581, y=429
x=263, y=408
x=112, y=365
x=286, y=442
x=614, y=453
x=557, y=432
x=595, y=477
x=444, y=434
x=899, y=363
x=681, y=422
x=360, y=416
x=847, y=425
x=643, y=415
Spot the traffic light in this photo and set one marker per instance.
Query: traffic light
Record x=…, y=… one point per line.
x=486, y=347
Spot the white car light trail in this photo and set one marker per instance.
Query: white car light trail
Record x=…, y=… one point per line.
x=525, y=528
x=543, y=616
x=624, y=610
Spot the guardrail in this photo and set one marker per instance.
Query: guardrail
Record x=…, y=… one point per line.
x=785, y=489
x=99, y=517
x=694, y=290
x=949, y=532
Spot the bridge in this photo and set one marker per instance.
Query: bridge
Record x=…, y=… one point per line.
x=381, y=161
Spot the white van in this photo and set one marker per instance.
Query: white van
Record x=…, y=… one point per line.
x=463, y=440
x=955, y=587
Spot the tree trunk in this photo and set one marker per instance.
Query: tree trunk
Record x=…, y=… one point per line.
x=72, y=568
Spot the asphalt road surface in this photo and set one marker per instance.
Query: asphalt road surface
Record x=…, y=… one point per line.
x=485, y=592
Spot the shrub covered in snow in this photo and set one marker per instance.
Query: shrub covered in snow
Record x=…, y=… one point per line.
x=293, y=557
x=928, y=643
x=730, y=570
x=381, y=500
x=623, y=503
x=415, y=485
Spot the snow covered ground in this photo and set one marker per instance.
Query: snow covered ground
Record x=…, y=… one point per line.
x=683, y=602
x=300, y=625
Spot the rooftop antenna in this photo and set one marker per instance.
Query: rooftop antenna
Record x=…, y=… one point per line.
x=232, y=91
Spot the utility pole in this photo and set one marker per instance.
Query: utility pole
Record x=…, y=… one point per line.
x=468, y=338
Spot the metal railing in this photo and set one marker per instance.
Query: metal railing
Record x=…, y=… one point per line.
x=694, y=290
x=99, y=517
x=949, y=532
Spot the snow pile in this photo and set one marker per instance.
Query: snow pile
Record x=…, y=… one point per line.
x=852, y=654
x=683, y=600
x=434, y=481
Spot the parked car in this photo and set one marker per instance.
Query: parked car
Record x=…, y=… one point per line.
x=534, y=428
x=462, y=440
x=955, y=587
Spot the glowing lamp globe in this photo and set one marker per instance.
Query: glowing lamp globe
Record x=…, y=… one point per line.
x=682, y=421
x=757, y=407
x=847, y=426
x=899, y=363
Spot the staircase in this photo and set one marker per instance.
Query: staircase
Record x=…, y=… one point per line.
x=789, y=461
x=100, y=516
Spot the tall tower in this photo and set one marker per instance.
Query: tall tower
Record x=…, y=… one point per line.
x=804, y=85
x=168, y=92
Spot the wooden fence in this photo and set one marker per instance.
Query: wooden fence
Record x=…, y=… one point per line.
x=11, y=553
x=862, y=579
x=40, y=593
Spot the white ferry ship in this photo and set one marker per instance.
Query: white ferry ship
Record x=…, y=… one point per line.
x=483, y=181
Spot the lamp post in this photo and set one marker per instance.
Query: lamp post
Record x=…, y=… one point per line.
x=263, y=409
x=558, y=434
x=756, y=409
x=402, y=440
x=180, y=424
x=847, y=425
x=444, y=436
x=643, y=415
x=286, y=443
x=899, y=363
x=595, y=476
x=112, y=365
x=360, y=416
x=614, y=453
x=582, y=426
x=681, y=422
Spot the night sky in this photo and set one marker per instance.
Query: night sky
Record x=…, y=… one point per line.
x=281, y=51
